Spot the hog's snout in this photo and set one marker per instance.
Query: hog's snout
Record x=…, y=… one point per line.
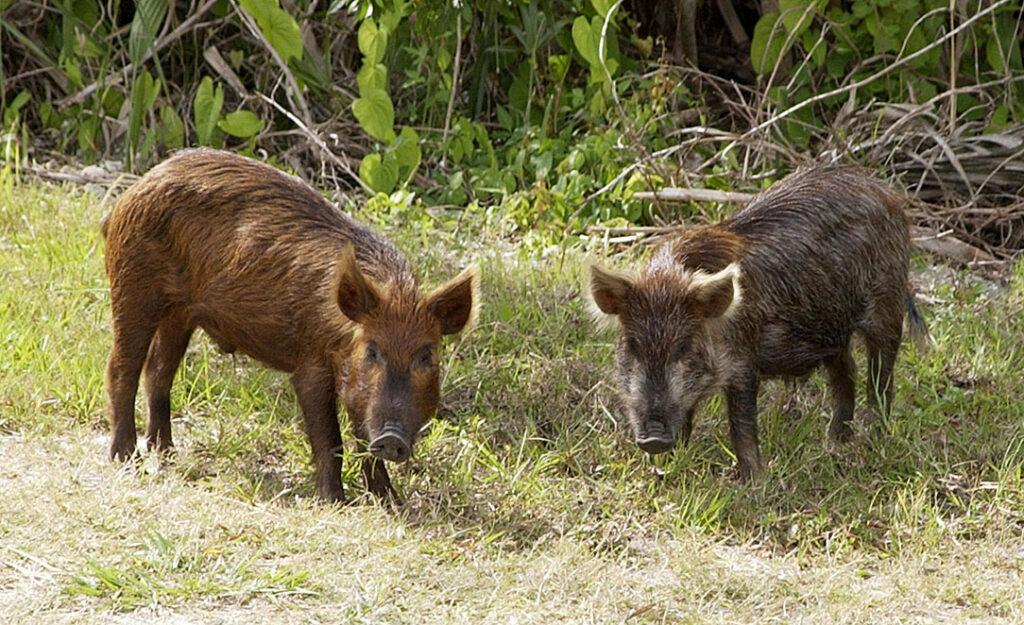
x=392, y=444
x=655, y=437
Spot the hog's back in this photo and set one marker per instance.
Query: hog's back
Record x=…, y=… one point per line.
x=243, y=250
x=827, y=254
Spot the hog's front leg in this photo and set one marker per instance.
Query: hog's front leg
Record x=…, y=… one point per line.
x=314, y=387
x=741, y=398
x=375, y=475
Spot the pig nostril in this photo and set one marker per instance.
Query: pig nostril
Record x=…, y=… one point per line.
x=656, y=437
x=390, y=446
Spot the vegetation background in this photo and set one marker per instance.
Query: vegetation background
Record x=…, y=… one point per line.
x=528, y=135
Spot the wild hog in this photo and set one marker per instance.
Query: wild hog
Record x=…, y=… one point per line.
x=267, y=267
x=776, y=290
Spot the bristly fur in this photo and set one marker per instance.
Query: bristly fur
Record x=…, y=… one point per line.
x=822, y=256
x=264, y=265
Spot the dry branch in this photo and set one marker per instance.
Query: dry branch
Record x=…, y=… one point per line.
x=674, y=194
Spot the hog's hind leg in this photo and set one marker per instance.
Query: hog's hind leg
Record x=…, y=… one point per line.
x=132, y=336
x=881, y=361
x=842, y=374
x=882, y=340
x=165, y=354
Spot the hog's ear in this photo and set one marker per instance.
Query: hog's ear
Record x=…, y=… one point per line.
x=357, y=297
x=457, y=303
x=716, y=294
x=609, y=290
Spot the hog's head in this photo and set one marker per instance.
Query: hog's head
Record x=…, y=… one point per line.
x=665, y=358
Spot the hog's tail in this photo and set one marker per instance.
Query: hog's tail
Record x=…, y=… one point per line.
x=103, y=225
x=919, y=334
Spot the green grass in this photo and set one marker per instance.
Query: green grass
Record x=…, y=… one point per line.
x=526, y=502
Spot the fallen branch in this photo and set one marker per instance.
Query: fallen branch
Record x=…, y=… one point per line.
x=91, y=174
x=673, y=194
x=949, y=247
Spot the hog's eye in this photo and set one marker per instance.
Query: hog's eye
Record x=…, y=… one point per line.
x=424, y=358
x=373, y=355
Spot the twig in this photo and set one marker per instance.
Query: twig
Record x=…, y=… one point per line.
x=318, y=141
x=117, y=76
x=455, y=75
x=294, y=93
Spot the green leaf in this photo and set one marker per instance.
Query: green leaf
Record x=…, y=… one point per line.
x=373, y=41
x=241, y=124
x=277, y=25
x=602, y=7
x=11, y=112
x=407, y=152
x=585, y=40
x=149, y=18
x=376, y=115
x=372, y=76
x=380, y=174
x=172, y=129
x=766, y=46
x=389, y=19
x=145, y=90
x=206, y=111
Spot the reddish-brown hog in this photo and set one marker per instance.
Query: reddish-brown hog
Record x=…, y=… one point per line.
x=267, y=267
x=776, y=290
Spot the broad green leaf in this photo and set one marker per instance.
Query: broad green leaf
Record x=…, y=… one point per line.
x=372, y=76
x=172, y=129
x=407, y=152
x=373, y=42
x=766, y=46
x=149, y=17
x=602, y=7
x=277, y=25
x=206, y=110
x=282, y=31
x=389, y=19
x=380, y=174
x=376, y=115
x=586, y=42
x=241, y=124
